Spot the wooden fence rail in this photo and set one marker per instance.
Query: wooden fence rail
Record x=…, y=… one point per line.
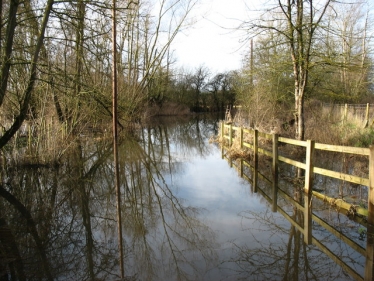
x=311, y=168
x=305, y=228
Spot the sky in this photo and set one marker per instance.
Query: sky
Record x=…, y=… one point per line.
x=211, y=42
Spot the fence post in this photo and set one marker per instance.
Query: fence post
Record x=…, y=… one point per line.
x=367, y=116
x=308, y=192
x=345, y=113
x=241, y=137
x=369, y=274
x=255, y=153
x=222, y=131
x=223, y=140
x=275, y=172
x=230, y=134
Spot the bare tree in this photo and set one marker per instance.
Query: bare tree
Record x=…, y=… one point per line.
x=299, y=21
x=198, y=82
x=6, y=68
x=344, y=65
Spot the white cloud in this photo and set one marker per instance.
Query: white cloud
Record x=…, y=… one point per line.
x=211, y=42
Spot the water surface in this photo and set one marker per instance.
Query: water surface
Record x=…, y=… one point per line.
x=186, y=215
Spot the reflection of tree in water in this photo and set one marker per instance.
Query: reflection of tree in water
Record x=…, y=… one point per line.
x=277, y=250
x=188, y=136
x=152, y=209
x=51, y=214
x=60, y=220
x=279, y=253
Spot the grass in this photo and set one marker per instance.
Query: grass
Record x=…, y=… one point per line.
x=330, y=128
x=362, y=138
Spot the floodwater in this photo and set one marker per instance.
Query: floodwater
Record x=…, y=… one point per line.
x=186, y=215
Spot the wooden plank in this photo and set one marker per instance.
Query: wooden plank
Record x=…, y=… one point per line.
x=369, y=274
x=265, y=135
x=293, y=141
x=236, y=128
x=292, y=162
x=265, y=195
x=343, y=149
x=340, y=204
x=291, y=200
x=319, y=220
x=245, y=144
x=369, y=265
x=241, y=138
x=255, y=152
x=308, y=192
x=339, y=235
x=265, y=152
x=341, y=176
x=337, y=260
x=248, y=131
x=316, y=170
x=362, y=212
x=258, y=174
x=247, y=164
x=293, y=222
x=319, y=146
x=324, y=224
x=275, y=172
x=247, y=178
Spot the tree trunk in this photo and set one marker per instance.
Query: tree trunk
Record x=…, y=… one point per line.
x=6, y=60
x=299, y=114
x=31, y=82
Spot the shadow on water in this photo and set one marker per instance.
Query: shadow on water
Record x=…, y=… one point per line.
x=181, y=219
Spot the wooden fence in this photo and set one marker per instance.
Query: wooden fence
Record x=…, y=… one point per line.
x=231, y=133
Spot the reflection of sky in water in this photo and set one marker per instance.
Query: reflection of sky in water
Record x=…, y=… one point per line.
x=200, y=224
x=209, y=183
x=250, y=241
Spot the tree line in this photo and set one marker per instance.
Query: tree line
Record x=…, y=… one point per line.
x=303, y=50
x=56, y=58
x=198, y=89
x=56, y=61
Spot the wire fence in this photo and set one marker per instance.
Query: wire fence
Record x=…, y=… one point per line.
x=351, y=113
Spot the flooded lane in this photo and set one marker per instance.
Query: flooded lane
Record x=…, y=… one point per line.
x=187, y=215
